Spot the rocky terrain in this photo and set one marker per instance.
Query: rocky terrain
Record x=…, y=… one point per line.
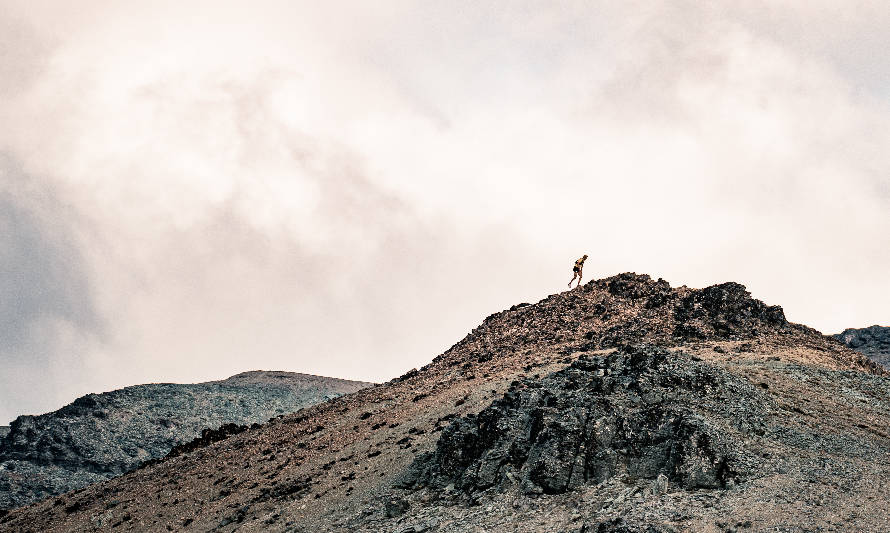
x=623, y=406
x=99, y=436
x=872, y=341
x=642, y=411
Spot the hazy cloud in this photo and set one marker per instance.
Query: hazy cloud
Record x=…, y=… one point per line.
x=46, y=298
x=44, y=278
x=348, y=189
x=23, y=55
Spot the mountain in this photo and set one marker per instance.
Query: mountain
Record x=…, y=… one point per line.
x=99, y=436
x=872, y=341
x=622, y=406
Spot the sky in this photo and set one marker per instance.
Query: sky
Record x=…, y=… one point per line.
x=189, y=190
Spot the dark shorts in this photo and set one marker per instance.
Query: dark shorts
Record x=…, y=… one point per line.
x=576, y=269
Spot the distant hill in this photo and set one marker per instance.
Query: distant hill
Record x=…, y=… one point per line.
x=99, y=436
x=873, y=342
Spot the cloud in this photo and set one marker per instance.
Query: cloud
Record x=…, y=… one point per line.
x=301, y=189
x=44, y=276
x=46, y=294
x=23, y=55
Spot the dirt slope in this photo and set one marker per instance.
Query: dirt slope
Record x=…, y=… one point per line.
x=657, y=409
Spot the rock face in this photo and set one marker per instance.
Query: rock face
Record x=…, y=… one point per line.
x=641, y=412
x=104, y=435
x=724, y=311
x=873, y=342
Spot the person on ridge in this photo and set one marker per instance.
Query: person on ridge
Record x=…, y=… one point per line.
x=579, y=266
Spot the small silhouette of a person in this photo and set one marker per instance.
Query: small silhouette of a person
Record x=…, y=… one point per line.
x=579, y=266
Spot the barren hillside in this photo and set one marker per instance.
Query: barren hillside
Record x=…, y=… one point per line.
x=625, y=405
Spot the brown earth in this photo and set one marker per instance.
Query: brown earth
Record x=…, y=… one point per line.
x=820, y=461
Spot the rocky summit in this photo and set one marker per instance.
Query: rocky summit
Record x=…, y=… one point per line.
x=623, y=406
x=873, y=342
x=99, y=436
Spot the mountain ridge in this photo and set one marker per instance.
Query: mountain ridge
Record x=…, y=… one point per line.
x=357, y=462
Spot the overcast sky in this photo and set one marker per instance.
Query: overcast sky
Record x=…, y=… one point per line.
x=193, y=189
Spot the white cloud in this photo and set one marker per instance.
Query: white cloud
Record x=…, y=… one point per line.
x=347, y=190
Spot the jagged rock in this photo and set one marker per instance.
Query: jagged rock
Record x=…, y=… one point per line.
x=208, y=437
x=619, y=525
x=724, y=311
x=395, y=507
x=661, y=484
x=642, y=411
x=873, y=342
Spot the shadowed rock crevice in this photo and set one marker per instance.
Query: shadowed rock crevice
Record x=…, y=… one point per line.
x=618, y=525
x=642, y=411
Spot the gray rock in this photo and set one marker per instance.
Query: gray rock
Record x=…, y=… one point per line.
x=661, y=484
x=724, y=311
x=873, y=342
x=395, y=507
x=619, y=525
x=641, y=411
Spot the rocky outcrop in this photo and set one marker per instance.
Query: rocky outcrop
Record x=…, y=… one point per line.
x=873, y=342
x=640, y=412
x=724, y=311
x=625, y=309
x=104, y=435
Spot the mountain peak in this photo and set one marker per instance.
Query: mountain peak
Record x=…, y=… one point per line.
x=632, y=308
